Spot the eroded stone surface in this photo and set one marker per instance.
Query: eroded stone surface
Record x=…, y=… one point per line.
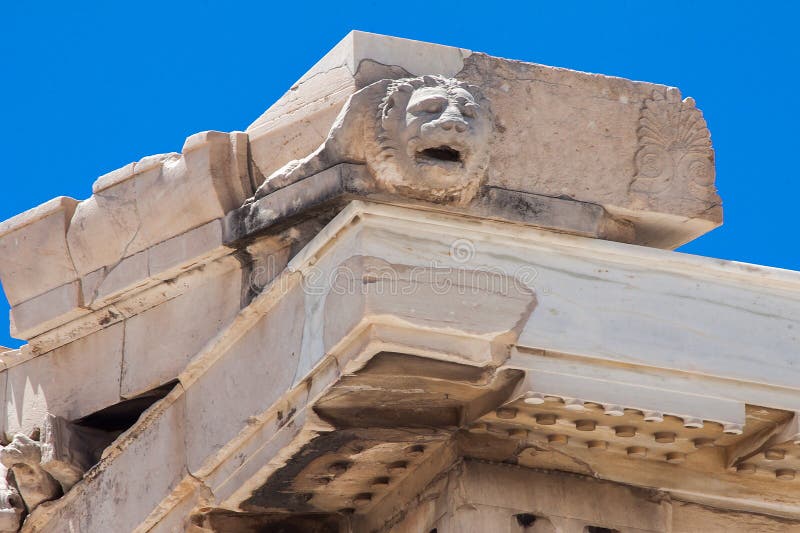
x=160, y=341
x=425, y=138
x=23, y=457
x=129, y=213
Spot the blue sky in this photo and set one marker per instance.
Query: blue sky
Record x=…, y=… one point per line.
x=90, y=86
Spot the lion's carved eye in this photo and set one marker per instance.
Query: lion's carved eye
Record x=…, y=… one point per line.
x=434, y=104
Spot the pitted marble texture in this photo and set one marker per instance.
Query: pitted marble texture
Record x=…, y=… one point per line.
x=425, y=138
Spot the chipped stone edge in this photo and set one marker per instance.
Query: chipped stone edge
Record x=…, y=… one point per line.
x=59, y=203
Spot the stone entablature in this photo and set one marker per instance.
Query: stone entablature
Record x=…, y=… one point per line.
x=422, y=280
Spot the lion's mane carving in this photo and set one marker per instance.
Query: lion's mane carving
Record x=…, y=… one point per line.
x=425, y=137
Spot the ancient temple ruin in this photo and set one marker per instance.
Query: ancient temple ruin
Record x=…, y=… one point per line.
x=427, y=291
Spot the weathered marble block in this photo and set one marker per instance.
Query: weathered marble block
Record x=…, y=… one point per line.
x=635, y=148
x=159, y=197
x=33, y=247
x=145, y=222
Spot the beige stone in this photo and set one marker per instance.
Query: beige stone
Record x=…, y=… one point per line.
x=104, y=227
x=430, y=141
x=160, y=341
x=42, y=312
x=149, y=295
x=185, y=251
x=34, y=250
x=359, y=59
x=482, y=497
x=455, y=302
x=127, y=213
x=11, y=505
x=263, y=359
x=23, y=457
x=127, y=275
x=106, y=285
x=688, y=518
x=620, y=136
x=280, y=340
x=38, y=386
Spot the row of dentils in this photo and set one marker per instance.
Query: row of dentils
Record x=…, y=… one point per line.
x=574, y=404
x=624, y=431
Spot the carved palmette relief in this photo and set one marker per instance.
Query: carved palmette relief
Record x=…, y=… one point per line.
x=675, y=154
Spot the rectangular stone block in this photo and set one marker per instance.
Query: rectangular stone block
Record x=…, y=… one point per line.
x=71, y=381
x=250, y=377
x=131, y=272
x=43, y=312
x=105, y=227
x=186, y=250
x=590, y=501
x=160, y=341
x=34, y=257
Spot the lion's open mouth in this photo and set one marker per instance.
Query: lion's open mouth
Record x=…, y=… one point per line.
x=444, y=154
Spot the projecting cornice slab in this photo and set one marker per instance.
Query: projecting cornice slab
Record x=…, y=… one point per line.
x=400, y=339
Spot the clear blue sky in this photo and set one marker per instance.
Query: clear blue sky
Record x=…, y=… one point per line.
x=90, y=86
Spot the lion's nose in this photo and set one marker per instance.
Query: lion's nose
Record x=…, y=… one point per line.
x=451, y=123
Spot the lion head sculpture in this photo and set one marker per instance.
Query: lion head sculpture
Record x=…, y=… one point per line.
x=425, y=138
x=432, y=141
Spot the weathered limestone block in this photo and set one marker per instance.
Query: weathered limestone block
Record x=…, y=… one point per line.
x=147, y=268
x=457, y=302
x=106, y=227
x=592, y=137
x=337, y=184
x=690, y=518
x=168, y=203
x=107, y=284
x=168, y=258
x=267, y=354
x=486, y=497
x=157, y=198
x=33, y=248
